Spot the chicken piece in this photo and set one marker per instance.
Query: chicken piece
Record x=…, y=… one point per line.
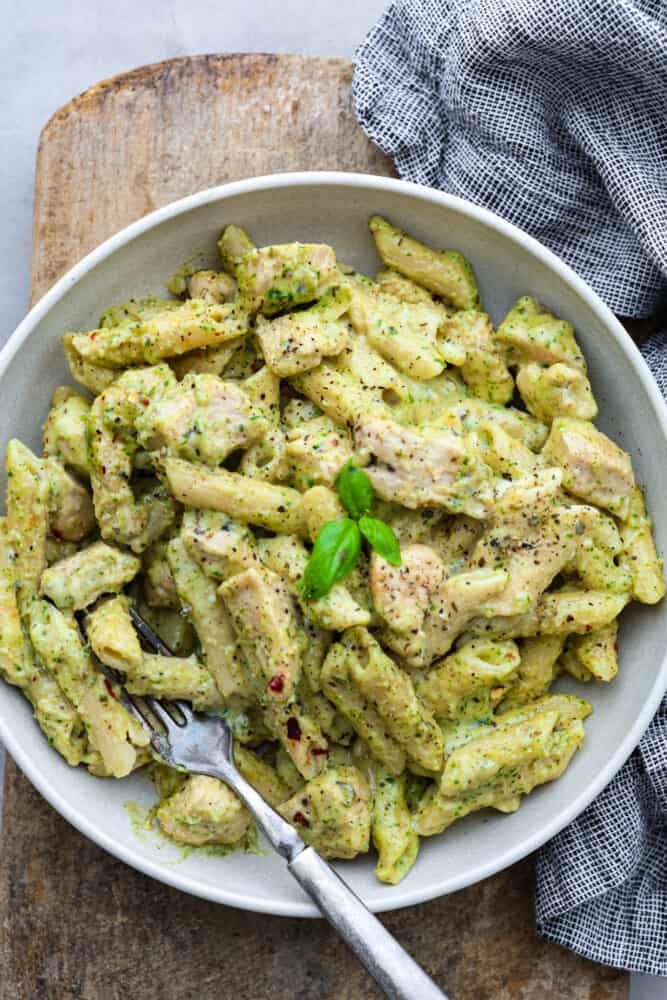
x=71, y=514
x=422, y=468
x=276, y=278
x=264, y=619
x=394, y=283
x=297, y=341
x=202, y=418
x=483, y=369
x=221, y=545
x=530, y=333
x=316, y=451
x=212, y=286
x=402, y=594
x=404, y=333
x=203, y=811
x=561, y=390
x=532, y=549
x=453, y=605
x=594, y=468
x=333, y=812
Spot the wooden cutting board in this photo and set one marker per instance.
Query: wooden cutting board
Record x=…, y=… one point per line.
x=75, y=922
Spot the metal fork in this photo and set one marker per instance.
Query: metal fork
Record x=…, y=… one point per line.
x=203, y=744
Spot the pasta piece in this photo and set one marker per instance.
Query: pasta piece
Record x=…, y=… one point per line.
x=206, y=360
x=483, y=369
x=557, y=613
x=506, y=455
x=391, y=827
x=598, y=559
x=559, y=390
x=467, y=684
x=159, y=587
x=175, y=630
x=319, y=505
x=233, y=244
x=530, y=333
x=393, y=283
x=77, y=582
x=296, y=342
x=57, y=717
x=261, y=776
x=277, y=508
x=112, y=730
x=423, y=468
x=477, y=763
x=596, y=651
x=337, y=685
x=391, y=692
x=112, y=635
x=316, y=451
x=437, y=810
x=28, y=518
x=639, y=555
x=594, y=468
x=65, y=431
x=287, y=556
x=473, y=413
x=537, y=670
x=191, y=325
x=203, y=811
x=268, y=634
x=211, y=622
x=337, y=393
x=443, y=272
x=266, y=459
x=333, y=813
x=96, y=378
x=276, y=278
x=174, y=678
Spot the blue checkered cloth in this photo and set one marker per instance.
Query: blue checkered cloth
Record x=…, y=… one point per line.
x=553, y=114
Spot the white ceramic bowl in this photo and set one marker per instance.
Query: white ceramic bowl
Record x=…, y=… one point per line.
x=333, y=208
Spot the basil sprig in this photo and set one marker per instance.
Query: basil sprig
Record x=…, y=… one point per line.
x=338, y=544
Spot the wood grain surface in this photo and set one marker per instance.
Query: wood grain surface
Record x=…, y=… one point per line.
x=74, y=922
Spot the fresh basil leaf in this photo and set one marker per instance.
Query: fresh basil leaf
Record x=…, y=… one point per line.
x=355, y=489
x=381, y=538
x=334, y=555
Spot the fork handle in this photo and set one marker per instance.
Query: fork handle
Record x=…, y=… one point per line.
x=395, y=972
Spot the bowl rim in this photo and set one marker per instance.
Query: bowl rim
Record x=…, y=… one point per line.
x=409, y=897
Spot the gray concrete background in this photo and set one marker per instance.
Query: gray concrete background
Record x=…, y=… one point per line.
x=51, y=51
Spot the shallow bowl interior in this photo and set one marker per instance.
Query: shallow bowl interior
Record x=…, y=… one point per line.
x=333, y=208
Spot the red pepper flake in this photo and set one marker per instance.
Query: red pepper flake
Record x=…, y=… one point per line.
x=93, y=335
x=107, y=685
x=301, y=819
x=293, y=728
x=144, y=400
x=277, y=683
x=616, y=647
x=318, y=751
